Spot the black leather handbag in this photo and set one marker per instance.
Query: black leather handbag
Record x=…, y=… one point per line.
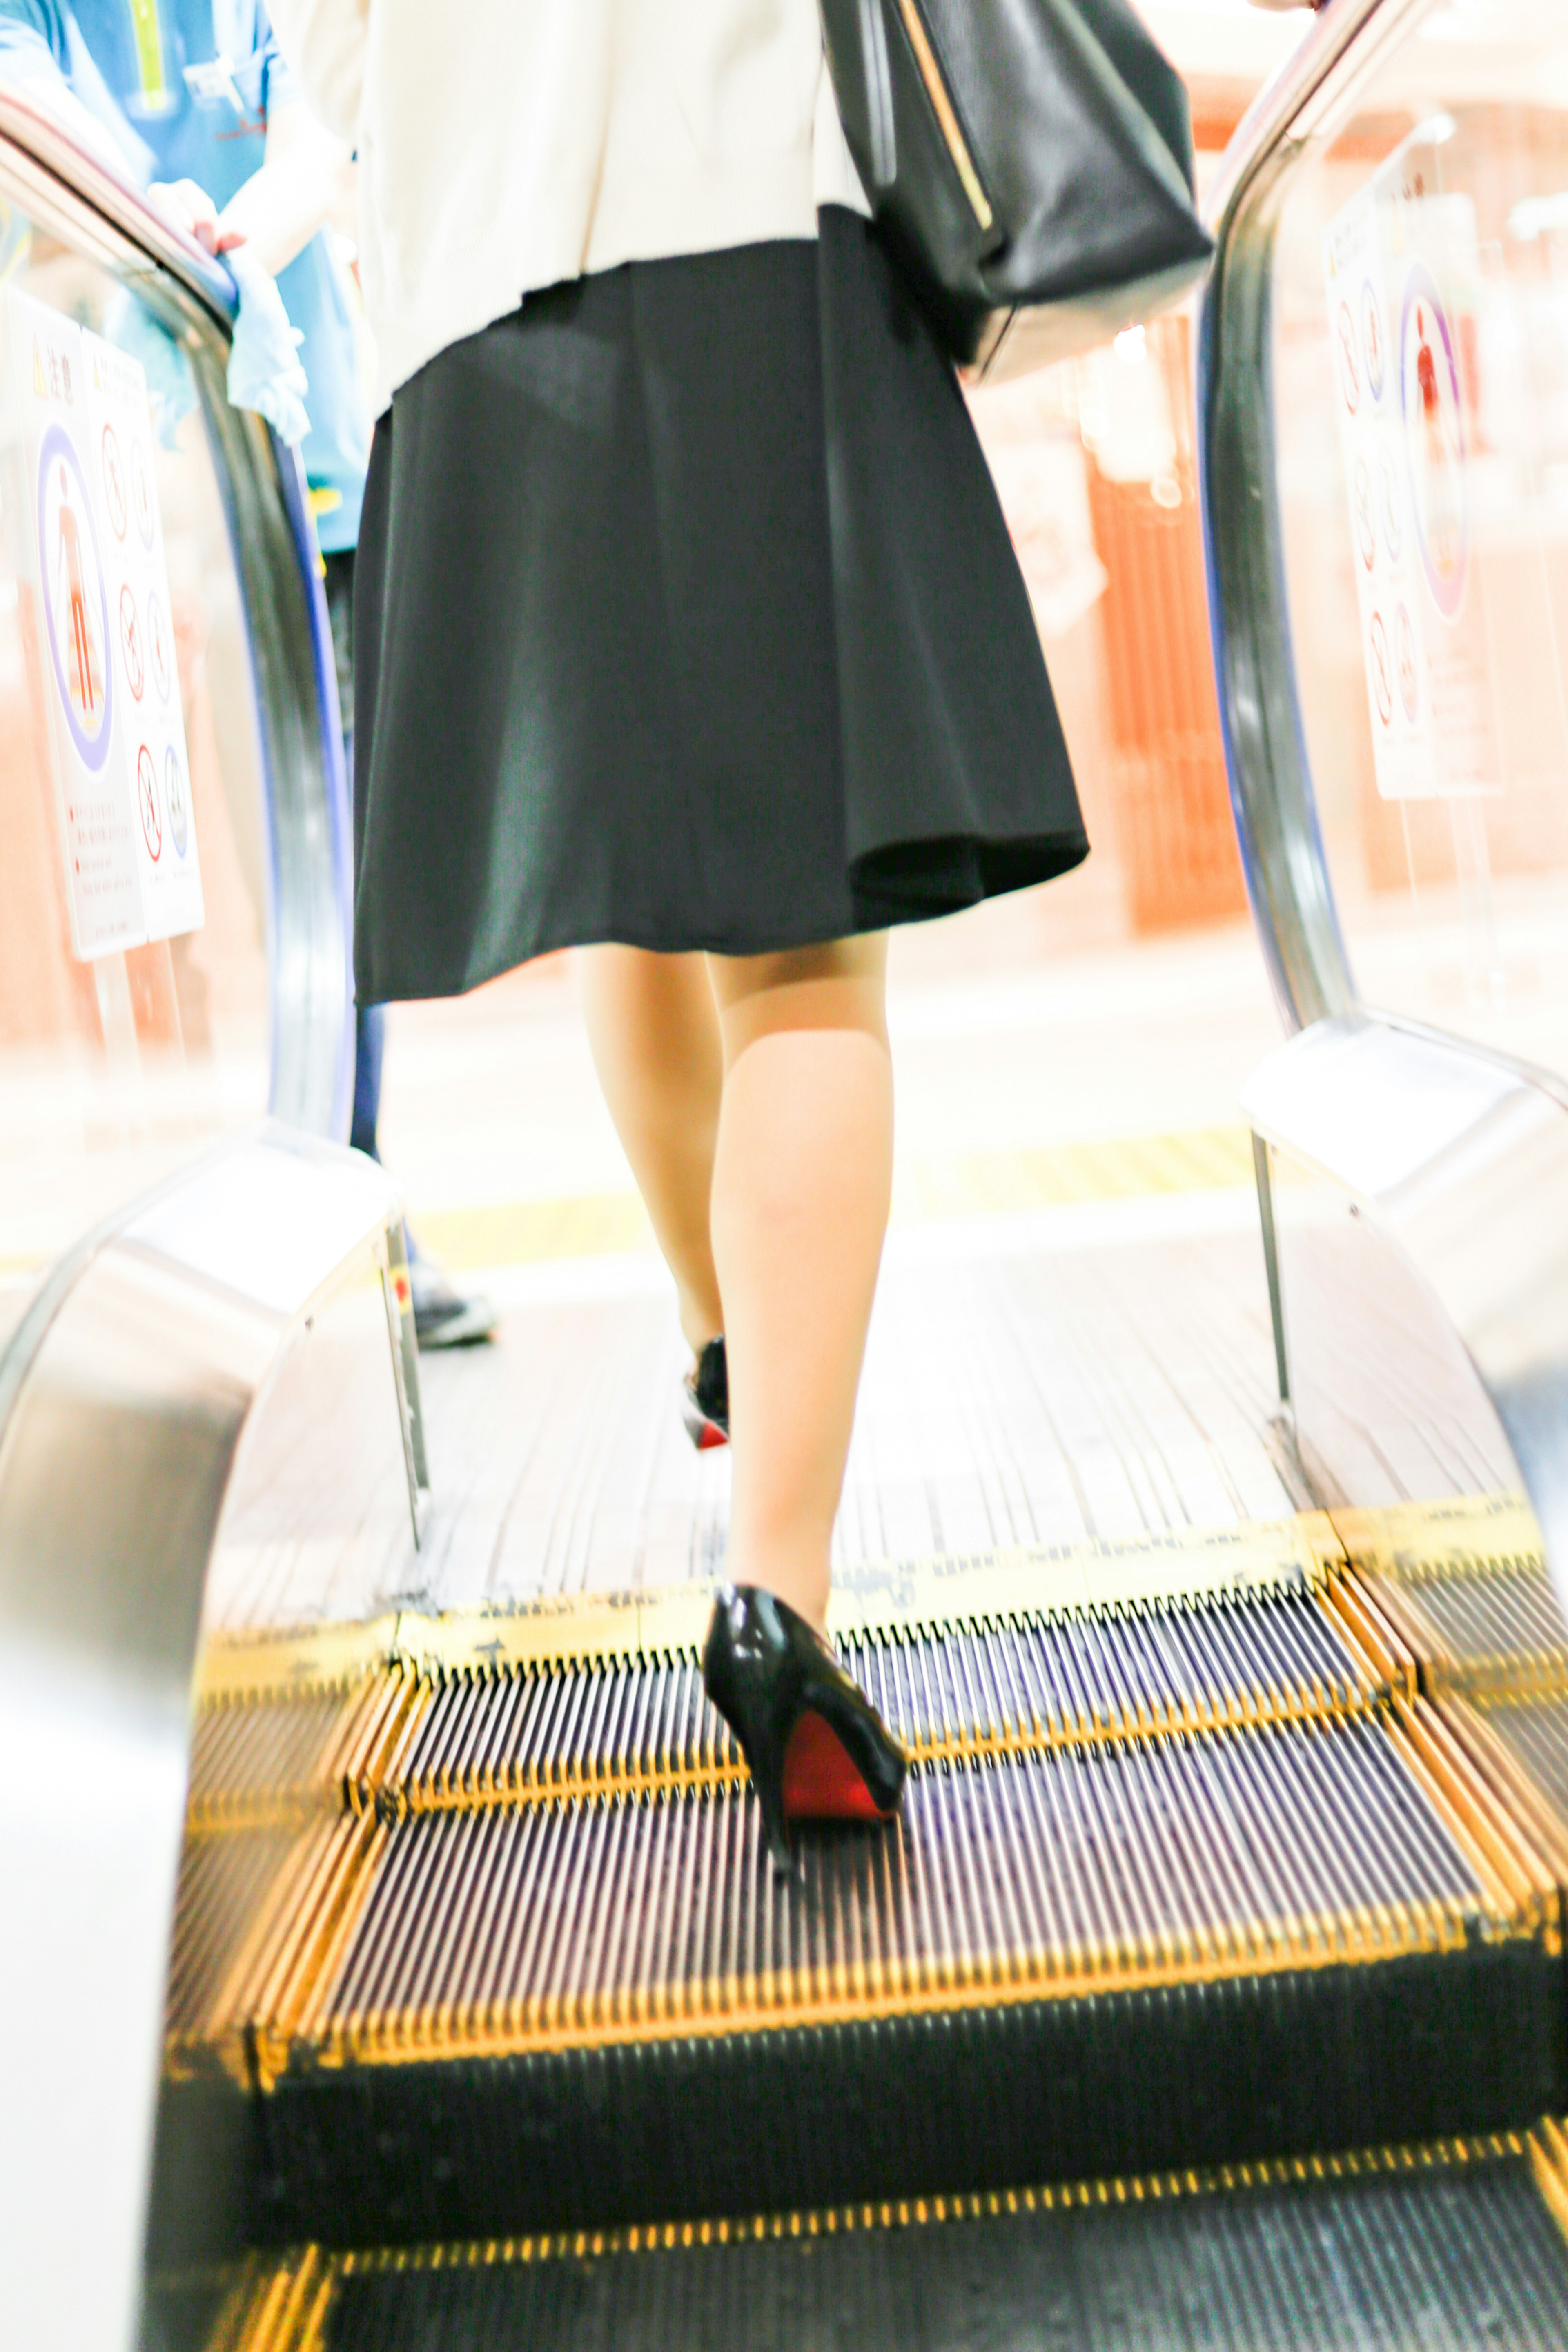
x=1029, y=161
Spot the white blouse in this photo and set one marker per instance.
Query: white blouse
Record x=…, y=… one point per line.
x=507, y=144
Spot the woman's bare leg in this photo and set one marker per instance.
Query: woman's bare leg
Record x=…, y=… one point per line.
x=802, y=1179
x=654, y=1029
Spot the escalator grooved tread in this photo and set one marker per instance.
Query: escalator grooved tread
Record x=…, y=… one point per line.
x=1190, y=1879
x=1423, y=2249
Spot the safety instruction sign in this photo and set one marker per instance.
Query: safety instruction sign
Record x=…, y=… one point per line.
x=1400, y=263
x=91, y=545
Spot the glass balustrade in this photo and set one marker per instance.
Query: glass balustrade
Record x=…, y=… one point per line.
x=1420, y=374
x=134, y=880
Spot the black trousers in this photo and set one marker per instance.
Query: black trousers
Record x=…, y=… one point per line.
x=370, y=1020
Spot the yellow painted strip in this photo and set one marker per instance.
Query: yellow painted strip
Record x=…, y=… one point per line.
x=308, y=1660
x=403, y=1800
x=969, y=1184
x=1184, y=1563
x=527, y=1232
x=1056, y=1579
x=1454, y=1535
x=287, y=2308
x=997, y=1184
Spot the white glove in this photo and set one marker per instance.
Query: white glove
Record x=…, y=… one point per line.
x=264, y=370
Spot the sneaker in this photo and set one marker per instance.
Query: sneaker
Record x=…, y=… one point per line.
x=443, y=1317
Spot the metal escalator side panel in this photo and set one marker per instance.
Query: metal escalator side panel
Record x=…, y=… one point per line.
x=115, y=1466
x=1456, y=1162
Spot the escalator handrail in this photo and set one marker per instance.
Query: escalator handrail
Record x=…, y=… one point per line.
x=1271, y=785
x=90, y=177
x=1283, y=105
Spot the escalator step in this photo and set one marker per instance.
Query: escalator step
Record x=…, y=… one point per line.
x=282, y=1757
x=396, y=1740
x=1186, y=1856
x=1183, y=1881
x=1537, y=1733
x=1112, y=1958
x=1465, y=1581
x=1441, y=2253
x=1077, y=1867
x=960, y=1689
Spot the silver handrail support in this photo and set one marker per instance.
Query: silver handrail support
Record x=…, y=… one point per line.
x=116, y=1458
x=1436, y=1169
x=100, y=214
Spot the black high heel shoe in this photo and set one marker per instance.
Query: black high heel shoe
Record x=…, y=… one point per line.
x=818, y=1748
x=705, y=1398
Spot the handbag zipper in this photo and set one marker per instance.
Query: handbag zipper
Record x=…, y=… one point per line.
x=945, y=111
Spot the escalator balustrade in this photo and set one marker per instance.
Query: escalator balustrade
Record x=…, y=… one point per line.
x=1210, y=1985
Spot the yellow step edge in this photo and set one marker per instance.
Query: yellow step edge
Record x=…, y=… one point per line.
x=1449, y=1536
x=407, y=1798
x=1549, y=2162
x=293, y=2295
x=704, y=2009
x=1193, y=1563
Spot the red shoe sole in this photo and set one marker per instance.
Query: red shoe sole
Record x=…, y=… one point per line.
x=820, y=1783
x=710, y=1436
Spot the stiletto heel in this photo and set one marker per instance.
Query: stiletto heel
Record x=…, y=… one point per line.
x=705, y=1398
x=816, y=1746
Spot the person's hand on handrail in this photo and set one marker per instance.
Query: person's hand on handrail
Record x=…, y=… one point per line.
x=303, y=179
x=188, y=207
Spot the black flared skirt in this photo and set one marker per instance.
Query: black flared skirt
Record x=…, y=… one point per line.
x=687, y=617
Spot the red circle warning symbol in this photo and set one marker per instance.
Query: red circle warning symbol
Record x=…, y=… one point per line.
x=1365, y=513
x=131, y=644
x=174, y=798
x=1380, y=668
x=1349, y=363
x=142, y=492
x=113, y=482
x=1409, y=672
x=158, y=646
x=1372, y=338
x=147, y=803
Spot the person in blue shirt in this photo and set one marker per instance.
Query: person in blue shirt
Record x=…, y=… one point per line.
x=201, y=108
x=194, y=100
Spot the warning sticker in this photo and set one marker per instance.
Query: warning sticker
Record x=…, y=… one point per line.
x=1401, y=266
x=153, y=720
x=75, y=603
x=94, y=559
x=59, y=548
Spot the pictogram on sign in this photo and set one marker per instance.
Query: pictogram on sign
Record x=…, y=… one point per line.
x=147, y=803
